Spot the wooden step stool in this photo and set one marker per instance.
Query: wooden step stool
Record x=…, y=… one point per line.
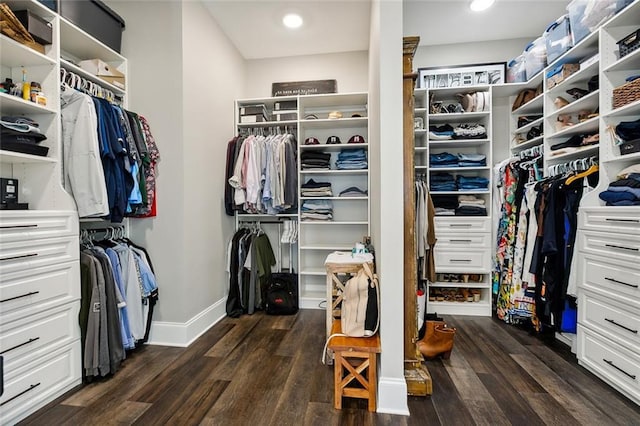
x=354, y=354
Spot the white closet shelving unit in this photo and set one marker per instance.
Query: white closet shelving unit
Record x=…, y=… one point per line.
x=351, y=215
x=608, y=243
x=39, y=247
x=464, y=242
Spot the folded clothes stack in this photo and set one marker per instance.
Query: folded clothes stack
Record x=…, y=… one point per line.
x=625, y=191
x=443, y=159
x=316, y=189
x=445, y=205
x=321, y=210
x=472, y=160
x=438, y=133
x=311, y=160
x=22, y=134
x=442, y=182
x=469, y=131
x=470, y=205
x=471, y=183
x=575, y=142
x=352, y=159
x=353, y=191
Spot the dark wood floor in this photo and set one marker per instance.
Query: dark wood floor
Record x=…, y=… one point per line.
x=261, y=370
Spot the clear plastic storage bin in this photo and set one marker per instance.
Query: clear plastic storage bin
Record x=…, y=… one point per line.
x=516, y=70
x=535, y=57
x=557, y=38
x=586, y=16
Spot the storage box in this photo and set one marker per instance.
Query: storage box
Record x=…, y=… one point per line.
x=96, y=18
x=8, y=190
x=586, y=16
x=516, y=70
x=559, y=73
x=116, y=81
x=39, y=29
x=254, y=118
x=285, y=105
x=629, y=44
x=535, y=57
x=630, y=147
x=557, y=38
x=100, y=68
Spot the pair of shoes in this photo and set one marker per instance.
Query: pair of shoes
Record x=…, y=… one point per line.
x=437, y=340
x=560, y=102
x=577, y=92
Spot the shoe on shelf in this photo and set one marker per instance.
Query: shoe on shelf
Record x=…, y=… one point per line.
x=560, y=102
x=577, y=92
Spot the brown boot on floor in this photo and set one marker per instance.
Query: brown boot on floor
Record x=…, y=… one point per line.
x=439, y=342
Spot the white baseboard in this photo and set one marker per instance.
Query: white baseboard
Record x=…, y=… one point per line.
x=183, y=334
x=392, y=396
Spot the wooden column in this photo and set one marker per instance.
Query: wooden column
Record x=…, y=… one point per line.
x=416, y=373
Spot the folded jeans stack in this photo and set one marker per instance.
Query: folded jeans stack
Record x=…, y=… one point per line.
x=626, y=190
x=470, y=205
x=316, y=189
x=442, y=182
x=310, y=160
x=471, y=183
x=321, y=210
x=472, y=160
x=353, y=191
x=443, y=159
x=352, y=159
x=445, y=205
x=444, y=132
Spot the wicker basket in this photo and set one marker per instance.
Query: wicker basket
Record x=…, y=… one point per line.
x=627, y=93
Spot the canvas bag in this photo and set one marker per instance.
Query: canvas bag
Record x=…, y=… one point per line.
x=360, y=304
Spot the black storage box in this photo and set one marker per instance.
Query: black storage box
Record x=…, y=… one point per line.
x=630, y=147
x=40, y=29
x=96, y=18
x=8, y=190
x=629, y=44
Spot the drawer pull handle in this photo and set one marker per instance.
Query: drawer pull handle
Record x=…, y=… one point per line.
x=33, y=339
x=32, y=387
x=460, y=241
x=31, y=293
x=622, y=247
x=460, y=260
x=620, y=282
x=35, y=225
x=623, y=220
x=22, y=256
x=621, y=326
x=633, y=376
x=459, y=225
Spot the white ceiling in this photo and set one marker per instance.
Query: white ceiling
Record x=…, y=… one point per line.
x=331, y=26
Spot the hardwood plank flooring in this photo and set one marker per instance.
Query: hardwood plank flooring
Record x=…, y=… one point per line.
x=266, y=370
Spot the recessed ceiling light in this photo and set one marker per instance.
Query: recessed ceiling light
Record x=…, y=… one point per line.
x=292, y=20
x=480, y=5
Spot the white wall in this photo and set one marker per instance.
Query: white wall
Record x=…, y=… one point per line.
x=386, y=124
x=350, y=69
x=469, y=53
x=177, y=82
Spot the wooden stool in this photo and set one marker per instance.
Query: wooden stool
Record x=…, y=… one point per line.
x=354, y=354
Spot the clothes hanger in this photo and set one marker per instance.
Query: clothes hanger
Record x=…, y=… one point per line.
x=585, y=173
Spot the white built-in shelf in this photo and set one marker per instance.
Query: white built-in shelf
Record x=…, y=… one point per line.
x=528, y=144
x=630, y=109
x=588, y=126
x=631, y=62
x=419, y=111
x=421, y=149
x=512, y=89
x=449, y=92
x=457, y=116
x=83, y=46
x=333, y=101
x=334, y=147
x=313, y=271
x=323, y=247
x=331, y=222
x=87, y=75
x=16, y=105
x=529, y=126
x=533, y=106
x=421, y=167
x=20, y=158
x=292, y=123
x=578, y=153
x=587, y=103
x=253, y=215
x=482, y=191
x=334, y=123
x=457, y=143
x=629, y=158
x=334, y=172
x=334, y=198
x=461, y=285
x=420, y=132
x=577, y=79
x=15, y=54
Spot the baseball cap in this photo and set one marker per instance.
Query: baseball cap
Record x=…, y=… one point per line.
x=356, y=139
x=333, y=140
x=335, y=114
x=311, y=141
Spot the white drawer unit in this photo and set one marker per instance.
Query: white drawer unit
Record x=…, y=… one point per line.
x=21, y=226
x=28, y=338
x=24, y=255
x=619, y=219
x=611, y=318
x=463, y=241
x=33, y=385
x=611, y=278
x=462, y=224
x=621, y=247
x=610, y=361
x=463, y=261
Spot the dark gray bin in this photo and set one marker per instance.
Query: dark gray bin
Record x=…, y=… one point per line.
x=96, y=18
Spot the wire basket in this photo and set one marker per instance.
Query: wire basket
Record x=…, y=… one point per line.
x=626, y=94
